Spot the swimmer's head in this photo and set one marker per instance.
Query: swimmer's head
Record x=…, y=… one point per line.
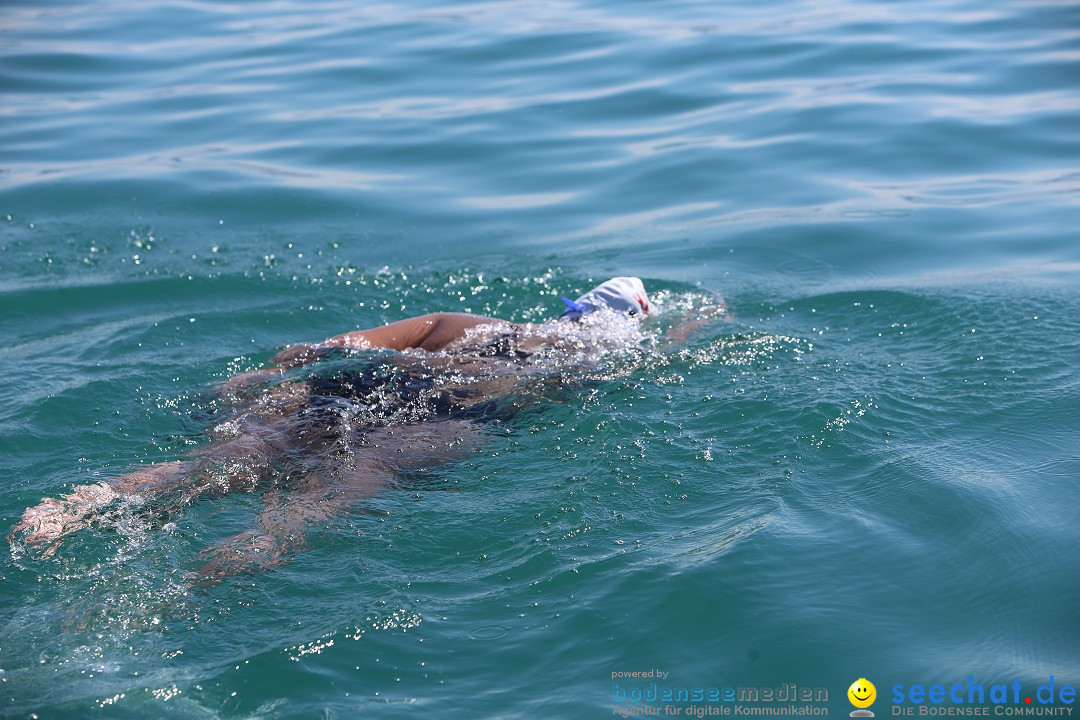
x=621, y=294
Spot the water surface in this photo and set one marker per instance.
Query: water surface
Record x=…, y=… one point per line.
x=868, y=470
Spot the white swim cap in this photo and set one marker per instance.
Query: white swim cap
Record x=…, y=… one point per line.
x=621, y=294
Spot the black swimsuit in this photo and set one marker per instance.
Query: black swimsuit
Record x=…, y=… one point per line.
x=504, y=345
x=402, y=389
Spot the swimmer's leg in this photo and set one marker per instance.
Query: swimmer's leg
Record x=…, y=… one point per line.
x=236, y=464
x=278, y=534
x=325, y=487
x=322, y=488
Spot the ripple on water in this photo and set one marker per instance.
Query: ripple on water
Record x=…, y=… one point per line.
x=876, y=435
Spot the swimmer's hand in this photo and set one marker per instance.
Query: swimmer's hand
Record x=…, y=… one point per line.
x=292, y=356
x=300, y=354
x=247, y=379
x=715, y=307
x=47, y=523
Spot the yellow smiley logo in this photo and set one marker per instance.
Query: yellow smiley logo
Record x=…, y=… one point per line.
x=862, y=693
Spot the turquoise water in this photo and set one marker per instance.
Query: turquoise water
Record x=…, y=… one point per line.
x=869, y=469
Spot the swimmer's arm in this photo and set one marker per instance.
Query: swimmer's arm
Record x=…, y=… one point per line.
x=431, y=332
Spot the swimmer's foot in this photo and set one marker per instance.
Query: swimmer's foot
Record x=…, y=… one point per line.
x=246, y=553
x=48, y=522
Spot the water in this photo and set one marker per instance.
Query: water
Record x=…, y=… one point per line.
x=868, y=470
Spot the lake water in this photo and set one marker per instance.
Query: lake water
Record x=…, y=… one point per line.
x=869, y=469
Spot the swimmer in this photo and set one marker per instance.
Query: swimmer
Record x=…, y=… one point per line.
x=315, y=446
x=441, y=331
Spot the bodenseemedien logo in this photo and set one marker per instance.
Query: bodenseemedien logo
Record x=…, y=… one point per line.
x=862, y=694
